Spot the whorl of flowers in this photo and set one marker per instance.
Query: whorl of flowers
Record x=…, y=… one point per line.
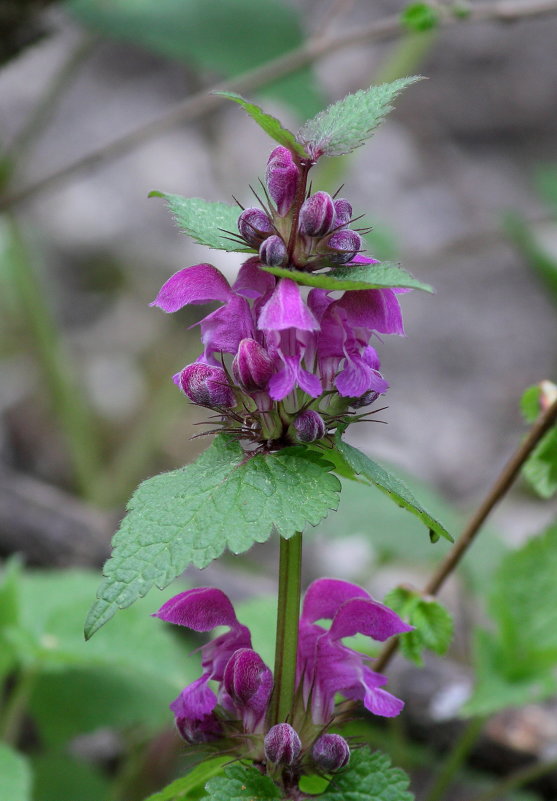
x=299, y=365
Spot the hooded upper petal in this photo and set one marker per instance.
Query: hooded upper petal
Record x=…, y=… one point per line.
x=286, y=309
x=198, y=284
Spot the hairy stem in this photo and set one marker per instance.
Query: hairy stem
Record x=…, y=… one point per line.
x=288, y=613
x=506, y=479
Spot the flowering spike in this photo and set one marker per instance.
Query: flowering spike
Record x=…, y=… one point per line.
x=207, y=385
x=317, y=214
x=273, y=251
x=254, y=226
x=252, y=366
x=331, y=753
x=282, y=178
x=309, y=426
x=282, y=744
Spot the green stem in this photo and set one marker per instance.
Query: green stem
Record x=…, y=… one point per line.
x=456, y=758
x=16, y=706
x=517, y=779
x=288, y=613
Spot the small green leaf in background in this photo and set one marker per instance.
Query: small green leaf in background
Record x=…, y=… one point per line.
x=542, y=263
x=202, y=219
x=368, y=777
x=185, y=787
x=267, y=122
x=223, y=500
x=420, y=17
x=344, y=126
x=9, y=614
x=387, y=483
x=433, y=624
x=359, y=276
x=241, y=783
x=516, y=663
x=530, y=403
x=540, y=469
x=15, y=775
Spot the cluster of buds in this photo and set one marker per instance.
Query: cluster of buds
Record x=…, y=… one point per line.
x=235, y=718
x=299, y=362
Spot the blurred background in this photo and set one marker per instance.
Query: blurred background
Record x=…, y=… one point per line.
x=102, y=101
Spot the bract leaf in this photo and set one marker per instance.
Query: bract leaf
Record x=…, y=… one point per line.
x=270, y=124
x=346, y=125
x=241, y=783
x=223, y=500
x=360, y=276
x=369, y=777
x=205, y=221
x=389, y=484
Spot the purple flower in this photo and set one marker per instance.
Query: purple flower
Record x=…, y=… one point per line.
x=254, y=226
x=282, y=744
x=317, y=214
x=207, y=385
x=247, y=687
x=273, y=251
x=343, y=212
x=331, y=752
x=282, y=178
x=252, y=365
x=326, y=666
x=309, y=426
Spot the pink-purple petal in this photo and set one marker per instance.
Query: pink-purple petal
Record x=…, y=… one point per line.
x=286, y=309
x=198, y=284
x=200, y=609
x=325, y=596
x=369, y=617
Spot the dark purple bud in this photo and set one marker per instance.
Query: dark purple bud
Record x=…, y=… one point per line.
x=206, y=385
x=252, y=365
x=331, y=753
x=317, y=215
x=282, y=744
x=309, y=426
x=254, y=226
x=282, y=178
x=196, y=732
x=366, y=399
x=346, y=244
x=273, y=251
x=343, y=212
x=249, y=683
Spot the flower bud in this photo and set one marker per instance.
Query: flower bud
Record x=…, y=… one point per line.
x=309, y=426
x=273, y=251
x=195, y=732
x=343, y=212
x=206, y=385
x=254, y=226
x=252, y=366
x=317, y=214
x=249, y=683
x=346, y=244
x=282, y=178
x=331, y=753
x=282, y=744
x=366, y=399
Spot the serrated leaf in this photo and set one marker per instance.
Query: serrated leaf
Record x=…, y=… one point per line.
x=267, y=122
x=389, y=484
x=369, y=777
x=202, y=219
x=433, y=624
x=241, y=783
x=530, y=403
x=360, y=276
x=182, y=788
x=346, y=125
x=420, y=17
x=223, y=500
x=540, y=469
x=15, y=775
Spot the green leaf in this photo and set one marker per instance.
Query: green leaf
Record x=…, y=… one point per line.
x=389, y=484
x=540, y=469
x=433, y=624
x=202, y=219
x=270, y=124
x=15, y=775
x=241, y=783
x=420, y=17
x=346, y=125
x=360, y=276
x=223, y=500
x=530, y=403
x=228, y=37
x=182, y=788
x=368, y=777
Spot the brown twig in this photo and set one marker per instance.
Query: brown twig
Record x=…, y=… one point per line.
x=313, y=49
x=499, y=489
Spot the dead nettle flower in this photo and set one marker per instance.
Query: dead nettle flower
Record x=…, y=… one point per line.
x=233, y=715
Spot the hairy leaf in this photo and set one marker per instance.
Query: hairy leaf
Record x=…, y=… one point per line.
x=346, y=125
x=540, y=469
x=15, y=775
x=270, y=124
x=389, y=484
x=369, y=777
x=205, y=221
x=359, y=276
x=433, y=624
x=223, y=500
x=241, y=783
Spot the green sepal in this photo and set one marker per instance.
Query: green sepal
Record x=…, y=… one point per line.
x=386, y=275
